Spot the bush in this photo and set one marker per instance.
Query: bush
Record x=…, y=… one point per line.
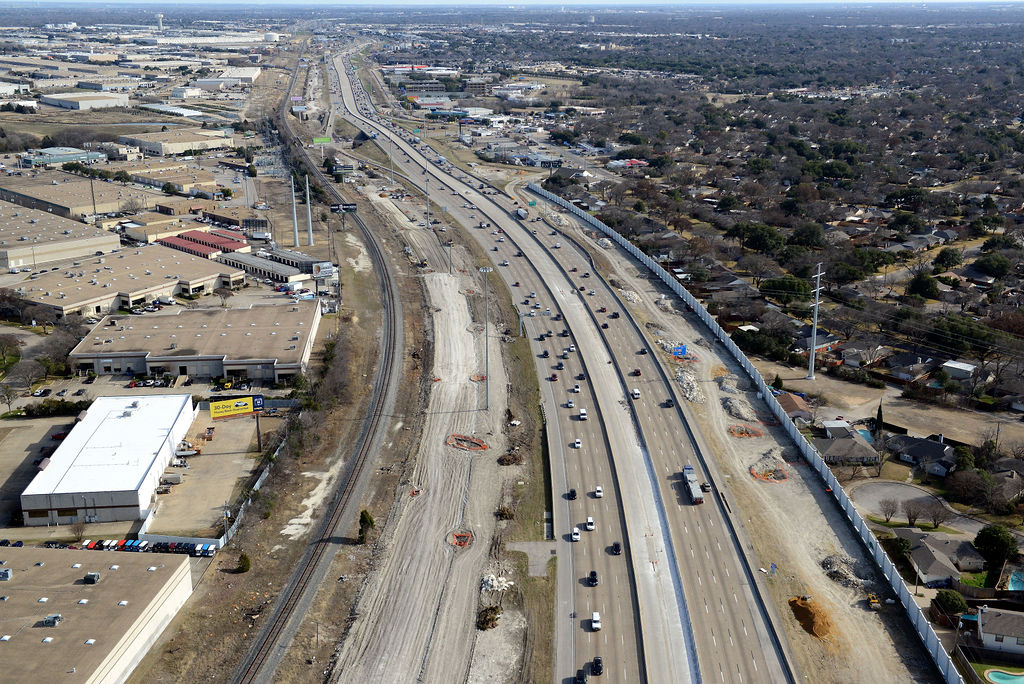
x=488, y=618
x=504, y=513
x=951, y=602
x=515, y=458
x=244, y=564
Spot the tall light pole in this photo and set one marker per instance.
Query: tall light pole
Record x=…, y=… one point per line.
x=486, y=270
x=814, y=326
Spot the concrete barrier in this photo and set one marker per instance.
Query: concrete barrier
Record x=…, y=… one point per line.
x=914, y=613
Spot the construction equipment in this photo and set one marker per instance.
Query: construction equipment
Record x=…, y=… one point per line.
x=874, y=603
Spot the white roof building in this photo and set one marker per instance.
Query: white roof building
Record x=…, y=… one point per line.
x=109, y=465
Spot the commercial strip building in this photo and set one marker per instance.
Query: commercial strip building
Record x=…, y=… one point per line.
x=178, y=141
x=85, y=101
x=270, y=343
x=71, y=196
x=263, y=268
x=126, y=279
x=105, y=629
x=50, y=156
x=109, y=466
x=30, y=238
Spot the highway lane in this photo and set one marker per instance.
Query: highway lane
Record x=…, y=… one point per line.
x=726, y=634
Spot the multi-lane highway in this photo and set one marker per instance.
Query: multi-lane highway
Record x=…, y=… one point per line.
x=679, y=604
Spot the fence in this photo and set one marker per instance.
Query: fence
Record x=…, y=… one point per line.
x=917, y=618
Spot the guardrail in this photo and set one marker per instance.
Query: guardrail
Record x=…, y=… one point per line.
x=916, y=616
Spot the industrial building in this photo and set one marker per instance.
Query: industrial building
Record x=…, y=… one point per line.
x=109, y=466
x=178, y=141
x=85, y=101
x=263, y=268
x=246, y=75
x=51, y=156
x=104, y=629
x=186, y=93
x=71, y=196
x=270, y=343
x=129, y=278
x=30, y=238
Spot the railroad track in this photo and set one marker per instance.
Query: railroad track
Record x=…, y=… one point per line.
x=258, y=660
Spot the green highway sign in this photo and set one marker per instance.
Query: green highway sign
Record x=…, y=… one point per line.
x=531, y=203
x=415, y=130
x=321, y=141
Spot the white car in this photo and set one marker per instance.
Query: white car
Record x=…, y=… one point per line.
x=578, y=444
x=576, y=389
x=595, y=621
x=598, y=492
x=572, y=347
x=590, y=524
x=575, y=535
x=570, y=404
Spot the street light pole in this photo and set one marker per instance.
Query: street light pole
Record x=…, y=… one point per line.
x=487, y=374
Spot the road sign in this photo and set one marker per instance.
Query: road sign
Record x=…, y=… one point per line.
x=348, y=207
x=679, y=351
x=531, y=203
x=321, y=141
x=257, y=402
x=296, y=99
x=415, y=130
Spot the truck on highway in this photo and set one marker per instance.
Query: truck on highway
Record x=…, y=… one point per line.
x=522, y=213
x=690, y=477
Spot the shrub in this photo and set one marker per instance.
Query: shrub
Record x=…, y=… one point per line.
x=244, y=564
x=488, y=618
x=504, y=513
x=950, y=601
x=515, y=458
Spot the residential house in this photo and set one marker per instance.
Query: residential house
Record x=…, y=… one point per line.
x=794, y=406
x=909, y=366
x=947, y=235
x=935, y=457
x=959, y=370
x=851, y=449
x=937, y=556
x=1008, y=476
x=858, y=355
x=1001, y=630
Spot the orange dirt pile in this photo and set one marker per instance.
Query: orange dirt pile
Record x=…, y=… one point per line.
x=811, y=617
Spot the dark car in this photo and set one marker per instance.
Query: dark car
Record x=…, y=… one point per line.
x=5, y=542
x=592, y=578
x=615, y=314
x=554, y=377
x=598, y=667
x=581, y=677
x=616, y=549
x=636, y=372
x=604, y=326
x=18, y=543
x=643, y=351
x=89, y=380
x=46, y=393
x=571, y=495
x=670, y=402
x=581, y=376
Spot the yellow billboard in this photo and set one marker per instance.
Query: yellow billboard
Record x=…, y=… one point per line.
x=241, y=406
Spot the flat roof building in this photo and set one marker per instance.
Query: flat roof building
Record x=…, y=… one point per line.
x=271, y=343
x=85, y=101
x=178, y=141
x=126, y=279
x=246, y=75
x=30, y=238
x=71, y=196
x=261, y=267
x=105, y=628
x=60, y=155
x=109, y=466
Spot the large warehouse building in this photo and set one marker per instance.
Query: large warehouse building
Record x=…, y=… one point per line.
x=104, y=630
x=178, y=141
x=85, y=101
x=30, y=238
x=71, y=196
x=268, y=343
x=109, y=466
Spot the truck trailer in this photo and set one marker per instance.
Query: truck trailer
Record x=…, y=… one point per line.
x=696, y=495
x=522, y=213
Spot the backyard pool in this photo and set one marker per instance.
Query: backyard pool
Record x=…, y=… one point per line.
x=1001, y=677
x=1016, y=583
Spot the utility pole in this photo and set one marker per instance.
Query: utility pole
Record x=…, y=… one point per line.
x=391, y=158
x=814, y=325
x=486, y=270
x=295, y=216
x=309, y=216
x=428, y=201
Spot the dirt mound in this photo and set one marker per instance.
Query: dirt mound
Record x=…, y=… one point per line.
x=727, y=384
x=811, y=616
x=691, y=390
x=738, y=408
x=842, y=570
x=770, y=466
x=631, y=296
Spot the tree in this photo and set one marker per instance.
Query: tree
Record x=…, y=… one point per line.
x=251, y=170
x=78, y=529
x=9, y=345
x=912, y=509
x=888, y=508
x=7, y=395
x=244, y=564
x=996, y=544
x=900, y=547
x=995, y=265
x=807, y=235
x=122, y=177
x=950, y=602
x=964, y=459
x=366, y=523
x=759, y=267
x=786, y=289
x=937, y=512
x=225, y=293
x=26, y=372
x=923, y=285
x=169, y=188
x=947, y=258
x=777, y=382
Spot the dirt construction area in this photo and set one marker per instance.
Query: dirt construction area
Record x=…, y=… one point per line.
x=846, y=641
x=416, y=609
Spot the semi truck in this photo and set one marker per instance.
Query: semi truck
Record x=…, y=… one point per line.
x=522, y=213
x=690, y=477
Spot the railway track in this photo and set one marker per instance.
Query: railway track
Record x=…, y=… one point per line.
x=258, y=664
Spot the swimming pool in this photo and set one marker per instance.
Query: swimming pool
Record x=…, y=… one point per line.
x=1001, y=677
x=866, y=434
x=1016, y=584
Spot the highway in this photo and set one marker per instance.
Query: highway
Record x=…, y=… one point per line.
x=676, y=549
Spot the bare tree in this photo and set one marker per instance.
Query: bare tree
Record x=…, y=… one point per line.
x=889, y=507
x=913, y=509
x=225, y=294
x=9, y=344
x=7, y=395
x=937, y=512
x=78, y=529
x=26, y=372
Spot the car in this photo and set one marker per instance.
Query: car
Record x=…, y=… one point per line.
x=636, y=372
x=18, y=543
x=38, y=393
x=578, y=444
x=46, y=393
x=705, y=486
x=581, y=376
x=581, y=677
x=615, y=314
x=571, y=495
x=643, y=351
x=592, y=578
x=62, y=393
x=574, y=535
x=670, y=402
x=89, y=380
x=79, y=392
x=5, y=542
x=582, y=288
x=554, y=377
x=604, y=326
x=572, y=347
x=591, y=293
x=616, y=548
x=597, y=667
x=570, y=404
x=590, y=524
x=598, y=492
x=603, y=309
x=576, y=389
x=560, y=366
x=595, y=621
x=545, y=354
x=515, y=284
x=587, y=274
x=572, y=270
